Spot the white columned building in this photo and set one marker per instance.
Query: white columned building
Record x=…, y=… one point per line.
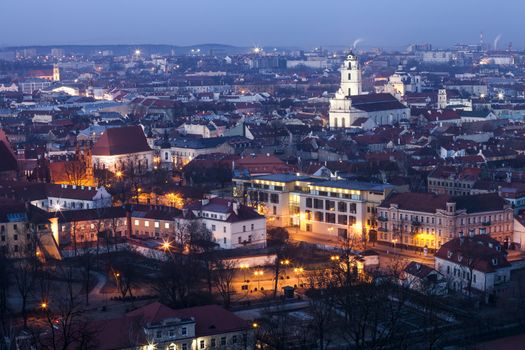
x=350, y=108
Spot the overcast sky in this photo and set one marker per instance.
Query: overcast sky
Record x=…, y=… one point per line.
x=304, y=23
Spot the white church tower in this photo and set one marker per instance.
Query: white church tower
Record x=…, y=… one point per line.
x=341, y=104
x=351, y=76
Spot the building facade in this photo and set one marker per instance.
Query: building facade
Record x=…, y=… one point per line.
x=428, y=220
x=331, y=208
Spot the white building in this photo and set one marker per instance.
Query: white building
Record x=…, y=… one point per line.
x=123, y=149
x=350, y=105
x=333, y=209
x=473, y=264
x=232, y=225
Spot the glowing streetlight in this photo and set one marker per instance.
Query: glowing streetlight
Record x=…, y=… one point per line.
x=335, y=257
x=257, y=50
x=501, y=95
x=118, y=174
x=166, y=246
x=57, y=207
x=244, y=267
x=255, y=325
x=137, y=52
x=43, y=305
x=258, y=274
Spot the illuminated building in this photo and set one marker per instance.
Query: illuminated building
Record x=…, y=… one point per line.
x=429, y=220
x=330, y=208
x=350, y=108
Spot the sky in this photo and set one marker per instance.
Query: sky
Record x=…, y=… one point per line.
x=267, y=23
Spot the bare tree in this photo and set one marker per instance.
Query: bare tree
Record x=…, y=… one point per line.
x=24, y=275
x=278, y=240
x=223, y=274
x=76, y=173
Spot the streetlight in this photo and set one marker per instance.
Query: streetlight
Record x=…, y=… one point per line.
x=43, y=305
x=298, y=271
x=285, y=262
x=335, y=258
x=243, y=268
x=166, y=246
x=258, y=274
x=118, y=174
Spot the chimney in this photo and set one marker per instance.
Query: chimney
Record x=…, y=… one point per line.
x=236, y=208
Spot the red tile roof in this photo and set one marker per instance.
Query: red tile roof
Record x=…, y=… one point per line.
x=124, y=140
x=481, y=252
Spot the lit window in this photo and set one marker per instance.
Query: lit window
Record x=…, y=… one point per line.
x=146, y=223
x=136, y=222
x=157, y=224
x=166, y=225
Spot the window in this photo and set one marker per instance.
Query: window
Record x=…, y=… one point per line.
x=244, y=228
x=353, y=208
x=234, y=339
x=351, y=220
x=252, y=226
x=166, y=225
x=274, y=210
x=201, y=344
x=224, y=240
x=171, y=333
x=146, y=223
x=318, y=203
x=223, y=340
x=184, y=331
x=224, y=229
x=158, y=334
x=318, y=216
x=184, y=346
x=330, y=205
x=274, y=198
x=330, y=218
x=308, y=202
x=342, y=219
x=342, y=207
x=212, y=342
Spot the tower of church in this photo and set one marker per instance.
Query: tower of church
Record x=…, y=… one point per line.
x=56, y=73
x=351, y=76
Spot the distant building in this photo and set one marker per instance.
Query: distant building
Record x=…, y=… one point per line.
x=123, y=149
x=45, y=74
x=349, y=106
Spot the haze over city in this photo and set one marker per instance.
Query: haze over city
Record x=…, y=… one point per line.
x=290, y=23
x=271, y=175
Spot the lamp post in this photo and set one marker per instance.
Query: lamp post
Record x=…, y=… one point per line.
x=298, y=271
x=243, y=268
x=258, y=274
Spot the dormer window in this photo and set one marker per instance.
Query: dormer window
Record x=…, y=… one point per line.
x=495, y=261
x=449, y=254
x=498, y=248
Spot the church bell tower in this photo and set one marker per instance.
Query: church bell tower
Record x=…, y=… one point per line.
x=351, y=76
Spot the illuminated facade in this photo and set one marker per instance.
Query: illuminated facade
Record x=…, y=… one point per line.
x=349, y=107
x=333, y=209
x=429, y=220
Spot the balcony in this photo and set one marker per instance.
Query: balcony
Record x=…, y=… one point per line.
x=382, y=229
x=382, y=218
x=486, y=223
x=416, y=223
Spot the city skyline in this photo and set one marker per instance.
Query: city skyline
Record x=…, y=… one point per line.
x=335, y=23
